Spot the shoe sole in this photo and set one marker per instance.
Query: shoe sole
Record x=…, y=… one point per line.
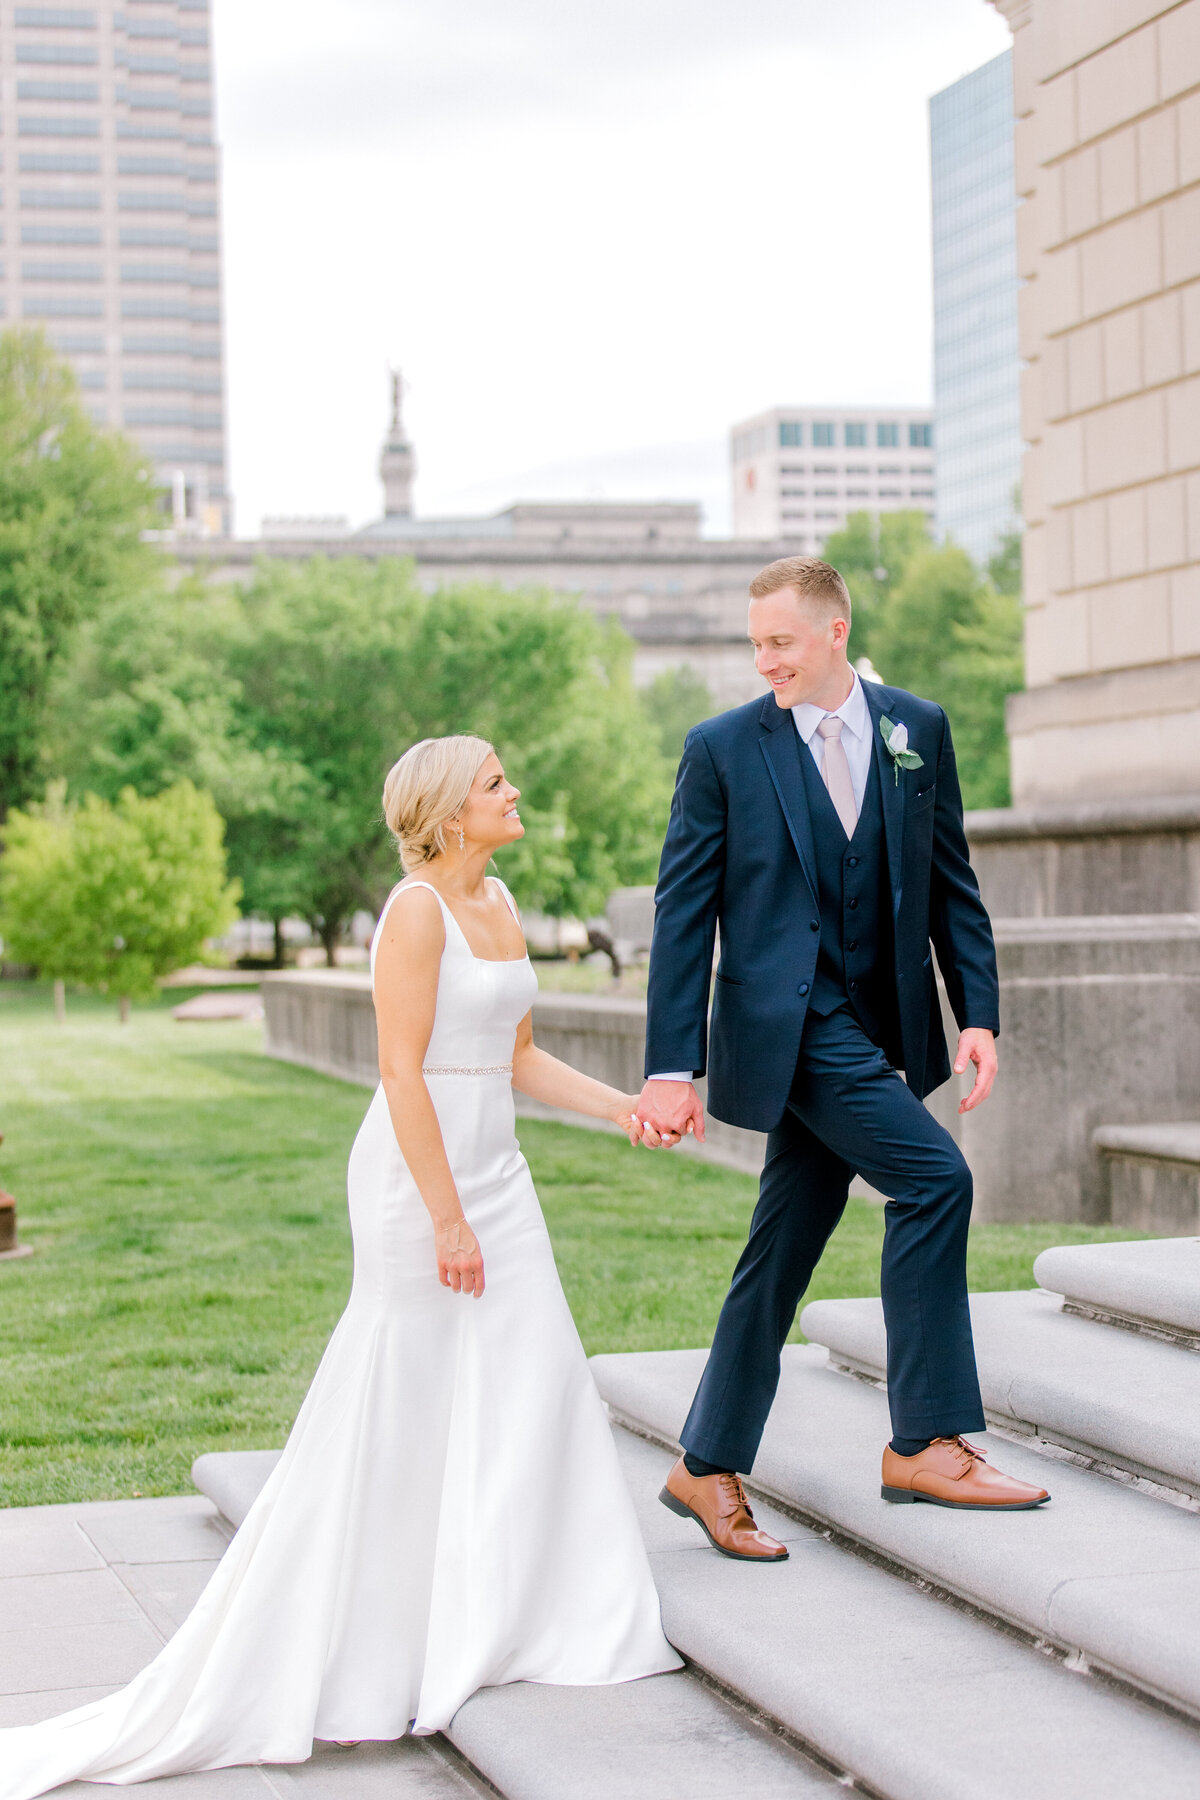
x=685, y=1512
x=906, y=1497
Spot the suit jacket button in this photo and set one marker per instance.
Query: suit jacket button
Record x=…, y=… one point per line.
x=803, y=988
x=814, y=924
x=852, y=946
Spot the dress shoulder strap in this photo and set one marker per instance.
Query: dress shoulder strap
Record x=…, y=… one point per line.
x=402, y=888
x=512, y=905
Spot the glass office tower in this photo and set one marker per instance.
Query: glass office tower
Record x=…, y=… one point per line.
x=976, y=367
x=110, y=187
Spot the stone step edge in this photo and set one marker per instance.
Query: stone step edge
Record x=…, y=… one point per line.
x=1132, y=1322
x=1054, y=1445
x=1071, y=1656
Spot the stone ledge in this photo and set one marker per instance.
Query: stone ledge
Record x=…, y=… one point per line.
x=1164, y=1143
x=1086, y=818
x=1156, y=1280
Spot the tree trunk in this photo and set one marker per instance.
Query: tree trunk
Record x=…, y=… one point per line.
x=277, y=963
x=60, y=1002
x=330, y=930
x=123, y=1009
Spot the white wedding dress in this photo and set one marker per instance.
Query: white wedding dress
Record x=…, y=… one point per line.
x=448, y=1512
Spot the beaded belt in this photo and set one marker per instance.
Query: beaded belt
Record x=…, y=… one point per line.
x=465, y=1069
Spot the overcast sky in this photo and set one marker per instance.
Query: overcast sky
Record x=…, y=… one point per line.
x=592, y=233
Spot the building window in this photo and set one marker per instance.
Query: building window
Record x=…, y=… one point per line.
x=888, y=469
x=890, y=494
x=887, y=436
x=856, y=437
x=825, y=515
x=920, y=437
x=920, y=493
x=60, y=234
x=174, y=273
x=153, y=202
x=151, y=165
x=68, y=307
x=72, y=18
x=162, y=236
x=824, y=469
x=62, y=162
x=64, y=127
x=73, y=343
x=81, y=56
x=58, y=90
x=822, y=435
x=791, y=434
x=55, y=271
x=825, y=493
x=858, y=493
x=60, y=200
x=793, y=493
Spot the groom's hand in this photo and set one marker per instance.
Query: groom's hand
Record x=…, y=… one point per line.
x=669, y=1110
x=977, y=1046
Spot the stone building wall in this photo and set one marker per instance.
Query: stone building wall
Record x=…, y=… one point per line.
x=1107, y=98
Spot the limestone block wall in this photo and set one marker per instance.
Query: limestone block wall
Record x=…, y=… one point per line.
x=1107, y=98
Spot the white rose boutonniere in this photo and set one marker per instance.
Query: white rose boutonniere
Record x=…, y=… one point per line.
x=895, y=738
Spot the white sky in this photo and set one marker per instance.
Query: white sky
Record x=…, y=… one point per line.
x=593, y=234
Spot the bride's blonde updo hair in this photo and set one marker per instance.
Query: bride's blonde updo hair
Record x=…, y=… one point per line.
x=427, y=788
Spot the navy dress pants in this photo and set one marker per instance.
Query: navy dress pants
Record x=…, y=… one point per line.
x=848, y=1111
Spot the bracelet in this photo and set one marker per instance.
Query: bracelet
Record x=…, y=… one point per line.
x=456, y=1226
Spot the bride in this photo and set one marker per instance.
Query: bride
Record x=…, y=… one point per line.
x=448, y=1512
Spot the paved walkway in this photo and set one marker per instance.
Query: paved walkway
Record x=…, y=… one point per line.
x=88, y=1594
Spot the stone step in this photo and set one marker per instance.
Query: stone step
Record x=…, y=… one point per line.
x=1151, y=1175
x=670, y=1735
x=1106, y=1575
x=908, y=1696
x=1151, y=1285
x=1128, y=1402
x=884, y=1685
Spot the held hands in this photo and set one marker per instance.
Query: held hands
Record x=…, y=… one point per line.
x=459, y=1258
x=666, y=1112
x=977, y=1046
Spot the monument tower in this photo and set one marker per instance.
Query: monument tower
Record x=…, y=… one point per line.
x=397, y=461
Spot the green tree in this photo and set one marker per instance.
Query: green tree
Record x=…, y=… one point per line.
x=946, y=634
x=114, y=897
x=871, y=553
x=674, y=701
x=73, y=505
x=340, y=665
x=146, y=698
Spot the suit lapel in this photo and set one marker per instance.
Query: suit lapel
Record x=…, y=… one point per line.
x=780, y=748
x=891, y=792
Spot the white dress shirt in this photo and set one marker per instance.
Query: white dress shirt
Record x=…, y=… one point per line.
x=856, y=740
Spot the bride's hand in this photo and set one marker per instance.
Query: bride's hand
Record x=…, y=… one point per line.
x=459, y=1258
x=637, y=1129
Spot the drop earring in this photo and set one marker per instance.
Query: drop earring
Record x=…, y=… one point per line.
x=462, y=842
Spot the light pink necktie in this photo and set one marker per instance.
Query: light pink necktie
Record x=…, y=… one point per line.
x=835, y=773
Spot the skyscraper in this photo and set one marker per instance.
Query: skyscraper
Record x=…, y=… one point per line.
x=976, y=368
x=111, y=188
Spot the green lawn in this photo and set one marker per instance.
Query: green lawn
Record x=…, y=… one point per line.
x=186, y=1200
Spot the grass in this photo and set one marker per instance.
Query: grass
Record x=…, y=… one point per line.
x=186, y=1200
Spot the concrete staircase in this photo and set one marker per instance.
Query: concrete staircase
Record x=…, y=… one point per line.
x=908, y=1652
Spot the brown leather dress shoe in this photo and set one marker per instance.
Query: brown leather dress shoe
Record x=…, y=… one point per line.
x=952, y=1472
x=719, y=1506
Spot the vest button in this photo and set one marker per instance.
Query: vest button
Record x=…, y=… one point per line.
x=852, y=946
x=852, y=904
x=852, y=985
x=803, y=988
x=814, y=924
x=852, y=862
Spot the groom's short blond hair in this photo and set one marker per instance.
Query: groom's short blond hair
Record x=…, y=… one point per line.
x=812, y=579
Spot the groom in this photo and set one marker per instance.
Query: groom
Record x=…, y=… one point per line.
x=821, y=830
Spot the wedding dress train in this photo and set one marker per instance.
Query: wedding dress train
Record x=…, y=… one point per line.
x=448, y=1512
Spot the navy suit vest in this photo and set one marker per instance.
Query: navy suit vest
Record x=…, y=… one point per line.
x=855, y=958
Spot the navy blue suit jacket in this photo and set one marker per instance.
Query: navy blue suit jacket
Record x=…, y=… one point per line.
x=738, y=857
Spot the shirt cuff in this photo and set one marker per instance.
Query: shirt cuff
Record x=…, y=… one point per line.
x=672, y=1075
